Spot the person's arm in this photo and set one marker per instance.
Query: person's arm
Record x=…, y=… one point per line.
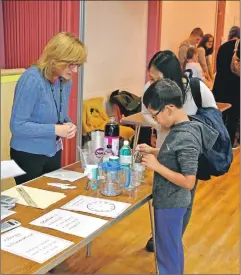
x=182, y=54
x=145, y=113
x=187, y=152
x=202, y=60
x=147, y=149
x=210, y=65
x=208, y=99
x=185, y=181
x=182, y=180
x=27, y=94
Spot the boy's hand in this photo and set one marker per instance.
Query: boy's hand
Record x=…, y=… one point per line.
x=144, y=148
x=150, y=161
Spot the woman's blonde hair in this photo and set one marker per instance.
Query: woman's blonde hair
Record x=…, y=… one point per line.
x=61, y=51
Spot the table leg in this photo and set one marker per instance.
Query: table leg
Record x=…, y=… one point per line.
x=153, y=232
x=136, y=137
x=88, y=252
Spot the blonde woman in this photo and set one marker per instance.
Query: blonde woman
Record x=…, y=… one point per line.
x=39, y=117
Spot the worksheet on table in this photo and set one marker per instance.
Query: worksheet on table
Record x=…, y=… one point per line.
x=32, y=245
x=67, y=175
x=97, y=206
x=69, y=222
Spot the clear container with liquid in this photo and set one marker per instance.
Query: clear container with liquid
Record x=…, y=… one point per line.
x=110, y=180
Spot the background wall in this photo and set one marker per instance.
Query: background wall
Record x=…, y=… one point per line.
x=179, y=18
x=27, y=26
x=116, y=33
x=232, y=17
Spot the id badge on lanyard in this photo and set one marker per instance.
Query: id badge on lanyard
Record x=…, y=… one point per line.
x=59, y=144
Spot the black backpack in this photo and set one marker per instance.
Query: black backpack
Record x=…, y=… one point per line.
x=217, y=161
x=128, y=103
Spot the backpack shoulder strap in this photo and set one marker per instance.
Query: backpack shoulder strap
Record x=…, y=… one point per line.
x=189, y=71
x=196, y=91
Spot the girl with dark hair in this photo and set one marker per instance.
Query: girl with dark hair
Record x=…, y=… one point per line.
x=164, y=64
x=205, y=51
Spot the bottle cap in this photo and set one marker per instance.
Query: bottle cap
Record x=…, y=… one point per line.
x=112, y=119
x=126, y=142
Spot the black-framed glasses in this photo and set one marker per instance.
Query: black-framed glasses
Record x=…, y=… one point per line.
x=154, y=115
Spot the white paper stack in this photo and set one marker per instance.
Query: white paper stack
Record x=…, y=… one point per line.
x=63, y=174
x=10, y=169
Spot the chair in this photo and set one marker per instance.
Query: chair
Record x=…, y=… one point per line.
x=95, y=118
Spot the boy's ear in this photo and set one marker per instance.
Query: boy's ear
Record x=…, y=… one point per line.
x=169, y=109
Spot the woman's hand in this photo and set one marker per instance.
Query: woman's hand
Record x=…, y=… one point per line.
x=150, y=161
x=72, y=130
x=66, y=130
x=61, y=130
x=144, y=148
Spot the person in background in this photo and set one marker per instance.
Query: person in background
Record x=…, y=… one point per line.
x=194, y=38
x=227, y=84
x=164, y=64
x=205, y=58
x=175, y=168
x=191, y=63
x=39, y=118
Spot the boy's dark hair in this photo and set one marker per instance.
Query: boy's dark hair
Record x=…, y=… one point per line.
x=203, y=42
x=161, y=93
x=190, y=53
x=234, y=32
x=197, y=32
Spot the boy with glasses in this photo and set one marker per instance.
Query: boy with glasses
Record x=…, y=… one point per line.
x=175, y=167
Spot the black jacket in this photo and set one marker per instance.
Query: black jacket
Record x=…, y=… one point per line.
x=227, y=85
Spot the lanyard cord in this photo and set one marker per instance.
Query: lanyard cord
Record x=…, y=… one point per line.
x=60, y=99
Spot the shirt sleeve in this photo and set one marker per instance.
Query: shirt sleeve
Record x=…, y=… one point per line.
x=27, y=94
x=66, y=117
x=145, y=113
x=202, y=59
x=182, y=54
x=209, y=59
x=187, y=152
x=208, y=99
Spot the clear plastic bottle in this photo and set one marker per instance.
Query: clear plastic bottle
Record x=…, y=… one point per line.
x=125, y=161
x=125, y=154
x=108, y=153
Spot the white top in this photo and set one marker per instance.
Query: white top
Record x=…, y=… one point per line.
x=189, y=107
x=196, y=70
